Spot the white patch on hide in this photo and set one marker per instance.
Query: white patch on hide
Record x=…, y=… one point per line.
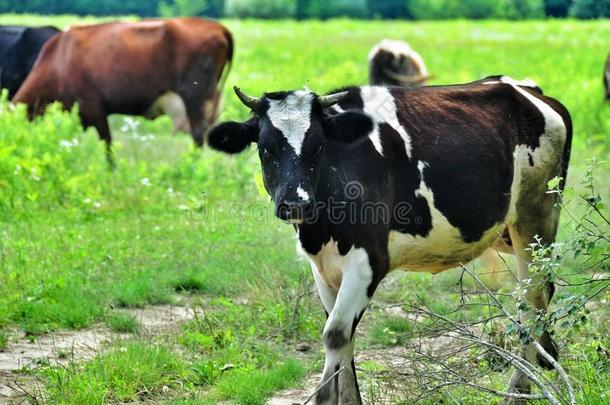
x=379, y=104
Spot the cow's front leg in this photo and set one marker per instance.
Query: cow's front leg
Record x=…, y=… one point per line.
x=339, y=384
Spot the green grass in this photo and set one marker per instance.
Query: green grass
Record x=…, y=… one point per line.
x=122, y=323
x=390, y=331
x=3, y=340
x=77, y=240
x=255, y=386
x=125, y=373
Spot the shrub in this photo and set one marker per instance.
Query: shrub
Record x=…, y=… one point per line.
x=476, y=9
x=122, y=323
x=590, y=8
x=172, y=8
x=260, y=8
x=521, y=9
x=557, y=8
x=47, y=164
x=339, y=8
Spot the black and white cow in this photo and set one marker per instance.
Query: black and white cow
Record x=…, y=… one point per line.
x=382, y=178
x=19, y=48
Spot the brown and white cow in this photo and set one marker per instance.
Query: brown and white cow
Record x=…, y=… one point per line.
x=395, y=63
x=376, y=179
x=137, y=68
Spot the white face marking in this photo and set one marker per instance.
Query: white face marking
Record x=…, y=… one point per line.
x=444, y=242
x=379, y=105
x=291, y=116
x=302, y=194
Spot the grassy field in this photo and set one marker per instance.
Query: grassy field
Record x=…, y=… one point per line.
x=171, y=225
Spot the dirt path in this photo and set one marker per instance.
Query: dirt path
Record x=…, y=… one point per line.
x=64, y=346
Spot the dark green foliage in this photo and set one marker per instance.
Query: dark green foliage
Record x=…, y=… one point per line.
x=81, y=7
x=590, y=8
x=208, y=8
x=389, y=9
x=268, y=9
x=557, y=8
x=319, y=9
x=521, y=9
x=476, y=9
x=324, y=9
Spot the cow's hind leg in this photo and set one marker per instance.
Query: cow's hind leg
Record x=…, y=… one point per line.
x=197, y=87
x=539, y=292
x=339, y=384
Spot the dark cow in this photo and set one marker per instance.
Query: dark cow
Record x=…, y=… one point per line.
x=395, y=63
x=19, y=48
x=382, y=178
x=135, y=68
x=607, y=77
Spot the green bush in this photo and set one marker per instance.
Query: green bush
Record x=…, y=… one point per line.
x=172, y=8
x=520, y=9
x=338, y=8
x=557, y=8
x=389, y=8
x=476, y=9
x=47, y=164
x=260, y=8
x=590, y=8
x=81, y=7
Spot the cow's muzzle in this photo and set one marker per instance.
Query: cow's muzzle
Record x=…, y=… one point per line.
x=293, y=211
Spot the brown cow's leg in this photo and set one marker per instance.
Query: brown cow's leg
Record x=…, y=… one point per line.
x=198, y=86
x=194, y=110
x=101, y=125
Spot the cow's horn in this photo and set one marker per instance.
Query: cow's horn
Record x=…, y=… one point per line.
x=249, y=101
x=411, y=79
x=330, y=99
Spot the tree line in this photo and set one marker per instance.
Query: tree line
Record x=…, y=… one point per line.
x=320, y=9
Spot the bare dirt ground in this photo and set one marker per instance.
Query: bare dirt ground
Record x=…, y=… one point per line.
x=24, y=353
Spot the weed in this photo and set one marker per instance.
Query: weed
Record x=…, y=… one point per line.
x=123, y=374
x=122, y=323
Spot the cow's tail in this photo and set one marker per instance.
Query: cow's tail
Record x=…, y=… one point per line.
x=567, y=148
x=227, y=67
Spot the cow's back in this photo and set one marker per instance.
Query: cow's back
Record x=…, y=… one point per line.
x=9, y=36
x=123, y=66
x=461, y=158
x=19, y=48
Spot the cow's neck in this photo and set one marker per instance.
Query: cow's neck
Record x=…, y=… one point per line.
x=331, y=191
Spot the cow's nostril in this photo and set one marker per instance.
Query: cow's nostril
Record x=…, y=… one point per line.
x=291, y=210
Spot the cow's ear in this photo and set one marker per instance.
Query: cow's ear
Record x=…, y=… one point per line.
x=348, y=126
x=232, y=137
